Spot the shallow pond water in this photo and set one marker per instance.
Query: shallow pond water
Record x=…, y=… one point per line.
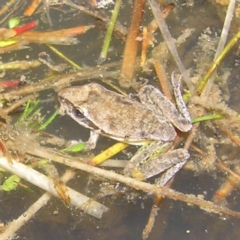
x=127, y=217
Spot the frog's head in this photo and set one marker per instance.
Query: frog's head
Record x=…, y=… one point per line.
x=70, y=103
x=75, y=95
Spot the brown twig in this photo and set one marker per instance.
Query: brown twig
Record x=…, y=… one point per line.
x=131, y=46
x=61, y=37
x=139, y=185
x=223, y=125
x=17, y=46
x=62, y=81
x=170, y=42
x=19, y=103
x=226, y=169
x=228, y=186
x=118, y=28
x=162, y=77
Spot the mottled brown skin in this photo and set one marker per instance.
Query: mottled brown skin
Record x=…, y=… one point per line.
x=122, y=118
x=115, y=115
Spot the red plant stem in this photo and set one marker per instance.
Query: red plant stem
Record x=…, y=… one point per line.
x=9, y=83
x=25, y=28
x=9, y=33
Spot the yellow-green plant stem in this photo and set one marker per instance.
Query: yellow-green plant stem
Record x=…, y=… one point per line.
x=207, y=118
x=75, y=148
x=28, y=109
x=44, y=125
x=230, y=44
x=109, y=32
x=7, y=42
x=64, y=57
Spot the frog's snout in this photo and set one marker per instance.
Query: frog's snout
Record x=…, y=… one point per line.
x=61, y=111
x=63, y=106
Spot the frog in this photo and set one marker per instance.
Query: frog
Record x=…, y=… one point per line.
x=151, y=120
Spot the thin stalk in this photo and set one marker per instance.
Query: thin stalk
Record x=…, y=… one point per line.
x=103, y=156
x=44, y=125
x=221, y=44
x=229, y=46
x=108, y=36
x=169, y=40
x=139, y=185
x=86, y=204
x=64, y=57
x=207, y=118
x=7, y=6
x=131, y=46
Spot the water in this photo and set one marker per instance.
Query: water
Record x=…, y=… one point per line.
x=127, y=218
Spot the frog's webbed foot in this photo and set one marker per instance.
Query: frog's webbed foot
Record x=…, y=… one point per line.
x=92, y=141
x=179, y=99
x=137, y=84
x=161, y=181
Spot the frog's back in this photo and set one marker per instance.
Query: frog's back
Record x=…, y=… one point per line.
x=119, y=117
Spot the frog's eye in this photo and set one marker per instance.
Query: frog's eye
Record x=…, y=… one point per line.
x=78, y=113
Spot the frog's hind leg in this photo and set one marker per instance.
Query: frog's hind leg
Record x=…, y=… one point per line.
x=178, y=96
x=160, y=182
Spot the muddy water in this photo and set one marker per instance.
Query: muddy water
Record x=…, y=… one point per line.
x=127, y=218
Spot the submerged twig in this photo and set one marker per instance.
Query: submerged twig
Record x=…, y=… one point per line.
x=221, y=44
x=226, y=188
x=61, y=37
x=120, y=29
x=32, y=7
x=109, y=32
x=19, y=103
x=93, y=208
x=64, y=57
x=169, y=40
x=63, y=81
x=160, y=69
x=131, y=46
x=20, y=65
x=146, y=187
x=7, y=6
x=16, y=224
x=224, y=127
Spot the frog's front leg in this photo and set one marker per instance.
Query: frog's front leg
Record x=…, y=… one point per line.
x=92, y=141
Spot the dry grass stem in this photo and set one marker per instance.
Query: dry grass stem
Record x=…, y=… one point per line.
x=223, y=125
x=169, y=40
x=226, y=169
x=94, y=208
x=162, y=77
x=131, y=46
x=61, y=81
x=16, y=224
x=119, y=29
x=146, y=187
x=18, y=103
x=221, y=44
